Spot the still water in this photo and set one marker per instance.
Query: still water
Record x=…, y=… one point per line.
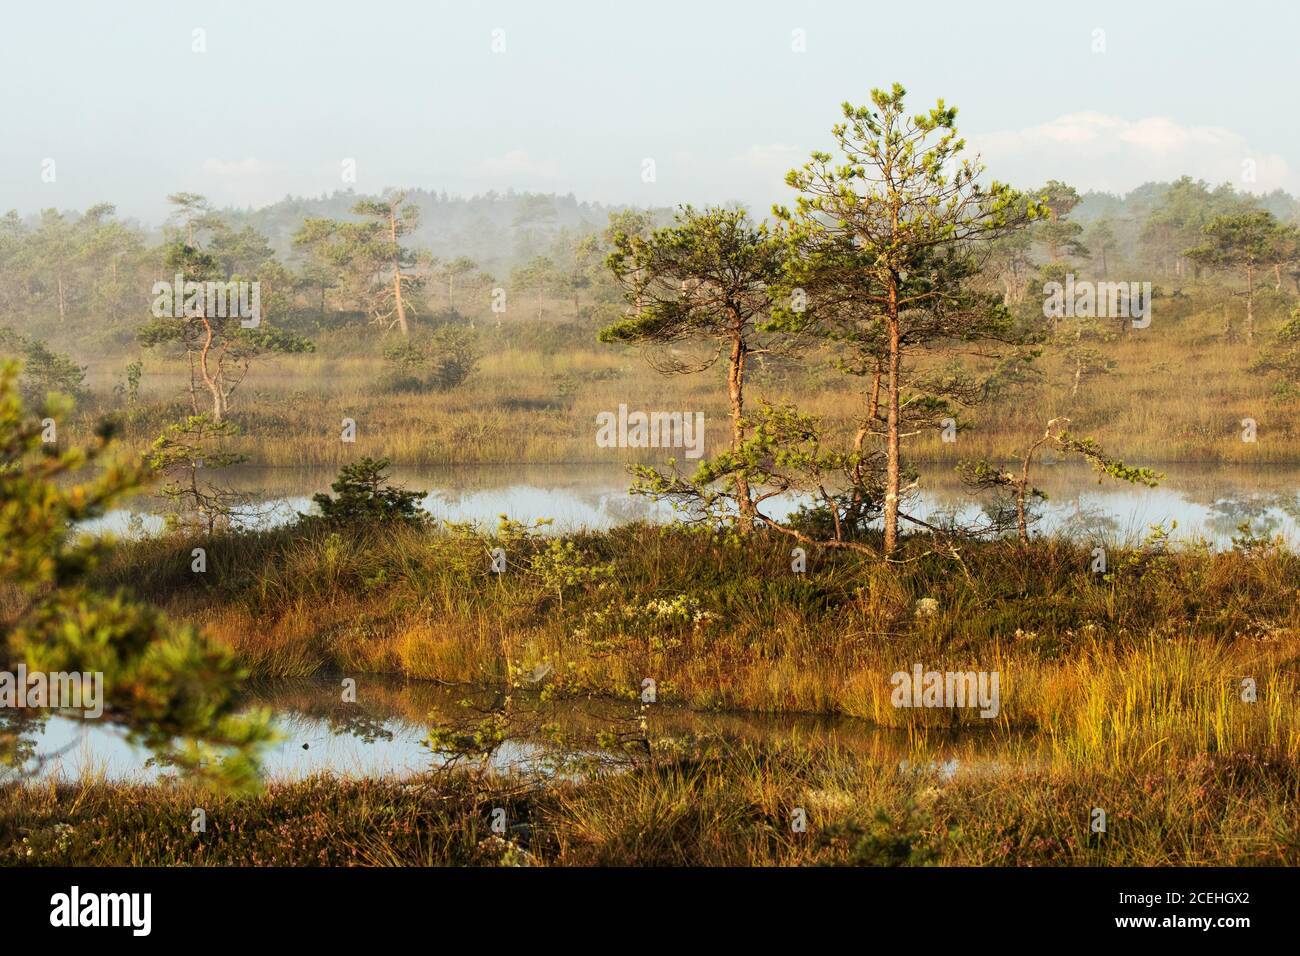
x=384, y=733
x=1207, y=502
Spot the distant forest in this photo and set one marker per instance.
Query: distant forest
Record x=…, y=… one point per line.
x=500, y=231
x=81, y=280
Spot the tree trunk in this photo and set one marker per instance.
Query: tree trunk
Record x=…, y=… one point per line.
x=397, y=271
x=210, y=381
x=859, y=440
x=736, y=392
x=892, y=461
x=873, y=411
x=1250, y=305
x=1022, y=526
x=401, y=308
x=194, y=395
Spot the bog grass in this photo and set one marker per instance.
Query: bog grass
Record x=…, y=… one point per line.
x=1143, y=663
x=726, y=806
x=1122, y=692
x=1177, y=393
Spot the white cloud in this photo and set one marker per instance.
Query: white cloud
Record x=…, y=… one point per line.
x=1099, y=151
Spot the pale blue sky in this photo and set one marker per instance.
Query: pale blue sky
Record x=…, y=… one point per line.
x=585, y=91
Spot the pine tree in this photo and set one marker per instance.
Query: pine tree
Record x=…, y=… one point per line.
x=892, y=234
x=705, y=279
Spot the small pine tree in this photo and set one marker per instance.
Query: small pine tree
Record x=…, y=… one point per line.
x=181, y=454
x=364, y=497
x=984, y=476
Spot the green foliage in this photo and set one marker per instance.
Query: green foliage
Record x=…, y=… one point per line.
x=1060, y=235
x=561, y=565
x=1283, y=358
x=364, y=497
x=366, y=261
x=165, y=685
x=43, y=370
x=708, y=279
x=885, y=257
x=217, y=347
x=1080, y=344
x=441, y=362
x=184, y=451
x=134, y=373
x=1104, y=464
x=1242, y=239
x=1176, y=215
x=707, y=275
x=886, y=840
x=266, y=339
x=984, y=476
x=1246, y=541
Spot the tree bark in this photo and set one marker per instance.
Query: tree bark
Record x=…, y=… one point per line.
x=892, y=462
x=1250, y=305
x=218, y=405
x=1022, y=526
x=397, y=270
x=736, y=393
x=194, y=396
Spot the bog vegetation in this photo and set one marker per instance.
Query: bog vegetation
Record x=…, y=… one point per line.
x=888, y=320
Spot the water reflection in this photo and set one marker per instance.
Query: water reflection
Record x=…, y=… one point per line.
x=1205, y=502
x=385, y=734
